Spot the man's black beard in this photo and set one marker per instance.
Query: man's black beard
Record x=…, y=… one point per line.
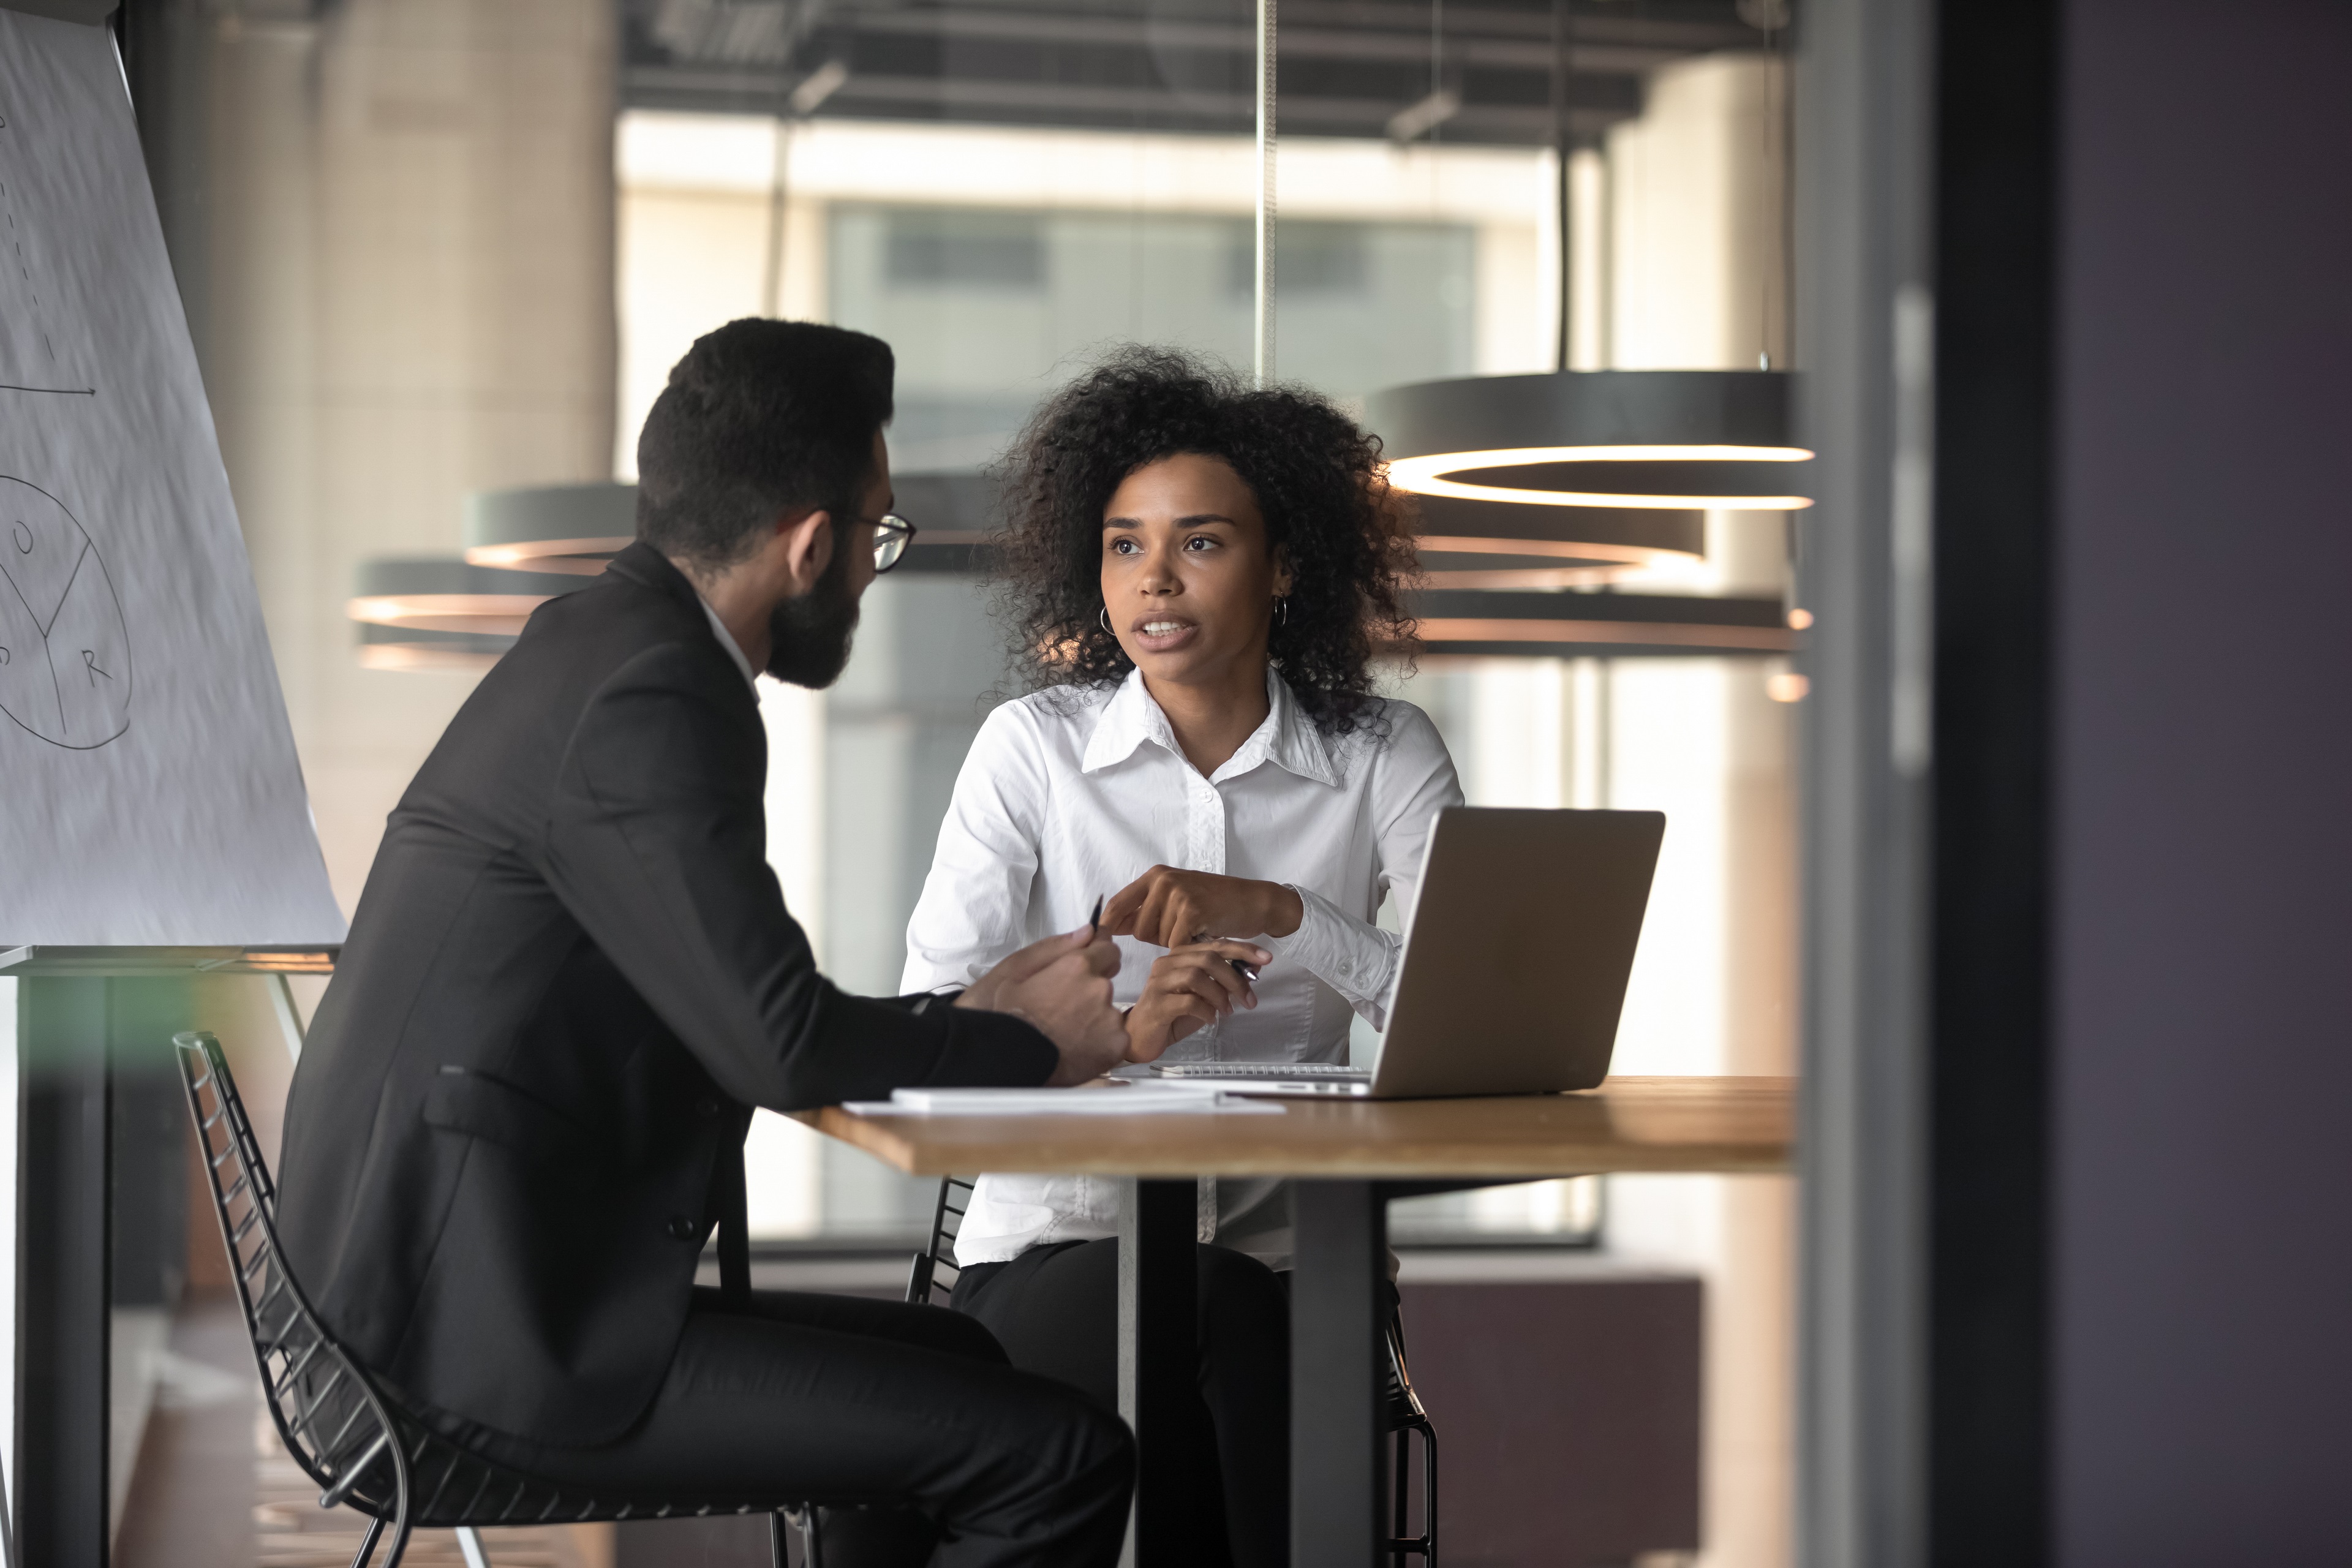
x=808, y=638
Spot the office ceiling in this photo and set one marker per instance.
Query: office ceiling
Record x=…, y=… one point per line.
x=1348, y=67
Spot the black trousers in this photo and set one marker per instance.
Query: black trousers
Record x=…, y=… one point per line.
x=841, y=1399
x=1056, y=1310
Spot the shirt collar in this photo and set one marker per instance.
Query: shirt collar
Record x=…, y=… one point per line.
x=727, y=641
x=641, y=562
x=1288, y=737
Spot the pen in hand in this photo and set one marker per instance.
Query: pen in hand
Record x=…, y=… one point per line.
x=1094, y=921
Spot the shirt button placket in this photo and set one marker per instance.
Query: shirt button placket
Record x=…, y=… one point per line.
x=1205, y=831
x=1205, y=828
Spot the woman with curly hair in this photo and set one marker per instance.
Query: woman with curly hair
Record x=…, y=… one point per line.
x=1199, y=576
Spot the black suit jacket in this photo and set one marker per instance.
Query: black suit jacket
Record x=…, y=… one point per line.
x=570, y=978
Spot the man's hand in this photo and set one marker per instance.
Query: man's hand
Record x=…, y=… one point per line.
x=1169, y=908
x=1189, y=989
x=1062, y=987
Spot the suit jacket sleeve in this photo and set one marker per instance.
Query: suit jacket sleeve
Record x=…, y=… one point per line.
x=656, y=843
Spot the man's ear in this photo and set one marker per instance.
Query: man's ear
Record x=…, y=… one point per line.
x=806, y=540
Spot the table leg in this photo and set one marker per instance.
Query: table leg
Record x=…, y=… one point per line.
x=1336, y=1306
x=62, y=1220
x=1159, y=1353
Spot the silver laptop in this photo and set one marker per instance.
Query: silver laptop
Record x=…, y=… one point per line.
x=1514, y=962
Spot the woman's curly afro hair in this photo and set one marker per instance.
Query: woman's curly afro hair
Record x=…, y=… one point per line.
x=1320, y=484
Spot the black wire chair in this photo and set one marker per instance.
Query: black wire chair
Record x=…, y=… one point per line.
x=924, y=1286
x=361, y=1446
x=1405, y=1413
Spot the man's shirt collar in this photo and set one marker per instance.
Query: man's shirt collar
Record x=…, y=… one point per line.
x=727, y=640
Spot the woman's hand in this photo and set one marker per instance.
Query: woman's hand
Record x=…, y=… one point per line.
x=1169, y=908
x=1189, y=989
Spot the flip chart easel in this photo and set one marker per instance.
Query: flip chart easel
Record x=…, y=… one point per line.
x=153, y=818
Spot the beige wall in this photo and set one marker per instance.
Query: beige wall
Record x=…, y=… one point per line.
x=409, y=219
x=1695, y=220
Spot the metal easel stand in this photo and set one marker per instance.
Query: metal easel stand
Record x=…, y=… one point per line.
x=69, y=1018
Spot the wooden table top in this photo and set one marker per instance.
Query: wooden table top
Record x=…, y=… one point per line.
x=1728, y=1126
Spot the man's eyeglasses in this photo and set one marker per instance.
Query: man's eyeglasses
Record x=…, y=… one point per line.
x=892, y=534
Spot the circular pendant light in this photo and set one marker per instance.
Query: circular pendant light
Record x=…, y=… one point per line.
x=407, y=649
x=1600, y=626
x=577, y=529
x=1503, y=545
x=953, y=516
x=573, y=528
x=441, y=613
x=1666, y=440
x=1669, y=440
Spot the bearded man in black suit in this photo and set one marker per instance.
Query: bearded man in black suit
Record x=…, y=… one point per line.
x=572, y=975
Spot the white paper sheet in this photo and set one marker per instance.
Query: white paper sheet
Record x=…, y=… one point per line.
x=1139, y=1099
x=148, y=790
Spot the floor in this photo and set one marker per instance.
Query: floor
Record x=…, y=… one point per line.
x=191, y=1495
x=214, y=1488
x=1565, y=1387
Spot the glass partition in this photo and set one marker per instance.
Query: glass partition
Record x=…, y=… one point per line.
x=998, y=261
x=433, y=251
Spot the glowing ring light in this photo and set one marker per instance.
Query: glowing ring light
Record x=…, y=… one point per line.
x=561, y=529
x=437, y=594
x=1495, y=545
x=1658, y=439
x=1604, y=625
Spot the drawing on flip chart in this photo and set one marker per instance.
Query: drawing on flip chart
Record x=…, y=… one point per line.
x=37, y=353
x=65, y=651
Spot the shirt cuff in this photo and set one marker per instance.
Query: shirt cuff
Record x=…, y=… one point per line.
x=1353, y=957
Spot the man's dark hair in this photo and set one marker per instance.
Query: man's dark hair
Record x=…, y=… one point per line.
x=760, y=416
x=1318, y=481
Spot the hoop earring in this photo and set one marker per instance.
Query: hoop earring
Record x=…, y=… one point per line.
x=1281, y=611
x=1103, y=614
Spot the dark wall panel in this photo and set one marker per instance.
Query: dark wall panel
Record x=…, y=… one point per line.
x=1567, y=1415
x=1988, y=1363
x=2203, y=1276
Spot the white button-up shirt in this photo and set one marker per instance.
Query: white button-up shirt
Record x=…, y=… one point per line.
x=727, y=641
x=1070, y=794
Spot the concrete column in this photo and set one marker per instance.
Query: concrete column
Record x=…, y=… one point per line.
x=408, y=295
x=1695, y=252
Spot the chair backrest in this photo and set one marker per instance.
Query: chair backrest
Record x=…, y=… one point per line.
x=333, y=1420
x=355, y=1439
x=934, y=1276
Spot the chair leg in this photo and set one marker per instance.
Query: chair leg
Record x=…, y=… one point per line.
x=1429, y=1496
x=401, y=1521
x=811, y=1542
x=1398, y=1495
x=469, y=1546
x=367, y=1542
x=1424, y=1545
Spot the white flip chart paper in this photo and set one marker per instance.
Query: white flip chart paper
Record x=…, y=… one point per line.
x=148, y=790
